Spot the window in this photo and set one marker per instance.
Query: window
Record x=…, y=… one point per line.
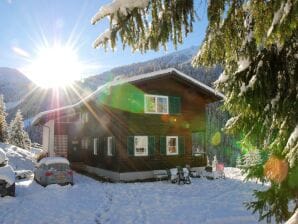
x=141, y=145
x=110, y=146
x=172, y=145
x=95, y=146
x=85, y=143
x=156, y=104
x=84, y=117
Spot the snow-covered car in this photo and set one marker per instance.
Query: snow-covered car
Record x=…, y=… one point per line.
x=53, y=170
x=7, y=176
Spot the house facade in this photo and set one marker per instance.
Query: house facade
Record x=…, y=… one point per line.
x=128, y=128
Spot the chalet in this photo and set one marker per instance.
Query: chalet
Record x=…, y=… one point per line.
x=129, y=127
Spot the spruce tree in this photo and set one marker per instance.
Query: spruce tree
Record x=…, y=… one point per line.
x=3, y=124
x=256, y=42
x=17, y=135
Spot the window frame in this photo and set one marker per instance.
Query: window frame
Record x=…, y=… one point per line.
x=156, y=102
x=95, y=146
x=146, y=152
x=168, y=153
x=85, y=143
x=110, y=146
x=84, y=117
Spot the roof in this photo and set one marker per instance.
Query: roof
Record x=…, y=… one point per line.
x=142, y=77
x=53, y=160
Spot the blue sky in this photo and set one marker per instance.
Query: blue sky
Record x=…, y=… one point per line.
x=27, y=24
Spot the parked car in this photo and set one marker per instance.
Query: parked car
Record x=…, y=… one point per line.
x=53, y=170
x=7, y=176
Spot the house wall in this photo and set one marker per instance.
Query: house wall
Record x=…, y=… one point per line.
x=117, y=114
x=48, y=137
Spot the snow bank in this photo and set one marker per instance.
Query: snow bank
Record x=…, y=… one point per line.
x=19, y=158
x=3, y=156
x=53, y=160
x=7, y=174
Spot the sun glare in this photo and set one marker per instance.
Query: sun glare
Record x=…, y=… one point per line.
x=55, y=66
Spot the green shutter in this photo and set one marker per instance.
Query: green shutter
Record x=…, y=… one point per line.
x=130, y=145
x=113, y=146
x=105, y=145
x=181, y=145
x=163, y=145
x=151, y=145
x=174, y=105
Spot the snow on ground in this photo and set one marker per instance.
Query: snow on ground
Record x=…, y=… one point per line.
x=90, y=201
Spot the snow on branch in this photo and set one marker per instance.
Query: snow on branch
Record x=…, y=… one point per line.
x=243, y=64
x=123, y=6
x=102, y=38
x=280, y=15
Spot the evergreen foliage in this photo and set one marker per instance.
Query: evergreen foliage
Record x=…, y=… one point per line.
x=148, y=27
x=256, y=42
x=17, y=135
x=3, y=124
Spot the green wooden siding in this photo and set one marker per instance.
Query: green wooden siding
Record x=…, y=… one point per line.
x=174, y=104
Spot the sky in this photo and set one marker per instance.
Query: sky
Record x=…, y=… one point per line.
x=26, y=25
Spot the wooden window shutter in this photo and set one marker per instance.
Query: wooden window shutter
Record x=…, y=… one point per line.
x=174, y=104
x=113, y=146
x=151, y=145
x=105, y=145
x=130, y=145
x=163, y=145
x=181, y=145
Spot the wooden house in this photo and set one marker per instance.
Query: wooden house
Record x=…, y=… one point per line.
x=129, y=127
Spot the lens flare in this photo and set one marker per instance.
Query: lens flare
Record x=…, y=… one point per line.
x=276, y=169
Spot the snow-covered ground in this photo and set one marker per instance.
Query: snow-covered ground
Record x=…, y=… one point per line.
x=90, y=201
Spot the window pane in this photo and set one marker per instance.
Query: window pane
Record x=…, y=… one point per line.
x=172, y=145
x=109, y=146
x=141, y=145
x=150, y=103
x=162, y=105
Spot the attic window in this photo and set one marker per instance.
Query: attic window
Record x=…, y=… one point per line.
x=156, y=104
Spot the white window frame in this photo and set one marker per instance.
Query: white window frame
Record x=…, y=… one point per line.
x=146, y=147
x=85, y=143
x=109, y=146
x=84, y=117
x=156, y=97
x=177, y=145
x=95, y=146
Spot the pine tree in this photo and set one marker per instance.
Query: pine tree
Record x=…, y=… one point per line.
x=256, y=42
x=3, y=124
x=17, y=135
x=238, y=162
x=252, y=158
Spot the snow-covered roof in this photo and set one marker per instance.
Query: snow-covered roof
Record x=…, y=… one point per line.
x=3, y=156
x=142, y=77
x=53, y=160
x=7, y=174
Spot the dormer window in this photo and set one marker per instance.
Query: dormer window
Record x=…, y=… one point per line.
x=156, y=104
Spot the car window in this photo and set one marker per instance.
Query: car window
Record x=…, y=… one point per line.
x=58, y=166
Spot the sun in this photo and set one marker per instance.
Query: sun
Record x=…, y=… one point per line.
x=55, y=66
